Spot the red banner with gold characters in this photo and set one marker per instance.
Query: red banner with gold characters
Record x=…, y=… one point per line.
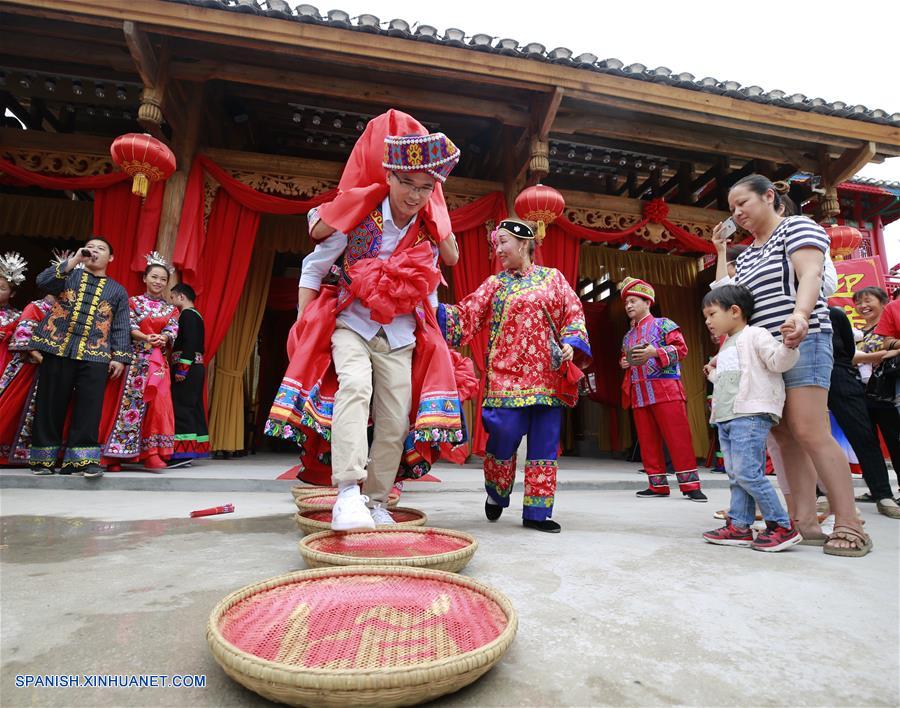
x=853, y=276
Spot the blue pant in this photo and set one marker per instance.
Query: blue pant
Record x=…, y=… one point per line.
x=743, y=442
x=505, y=428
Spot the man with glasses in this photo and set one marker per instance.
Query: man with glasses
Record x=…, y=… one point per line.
x=398, y=226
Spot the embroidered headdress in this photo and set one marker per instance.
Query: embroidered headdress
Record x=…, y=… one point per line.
x=13, y=267
x=154, y=258
x=434, y=154
x=513, y=227
x=363, y=185
x=638, y=287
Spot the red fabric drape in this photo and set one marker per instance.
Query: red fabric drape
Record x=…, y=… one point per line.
x=127, y=222
x=223, y=268
x=685, y=240
x=191, y=242
x=363, y=185
x=476, y=264
x=21, y=175
x=562, y=251
x=130, y=225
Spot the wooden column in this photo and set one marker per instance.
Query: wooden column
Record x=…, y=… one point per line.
x=184, y=147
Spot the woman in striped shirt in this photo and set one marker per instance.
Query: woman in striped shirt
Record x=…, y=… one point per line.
x=783, y=270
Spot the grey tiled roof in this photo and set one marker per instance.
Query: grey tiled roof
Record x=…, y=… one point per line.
x=454, y=37
x=889, y=184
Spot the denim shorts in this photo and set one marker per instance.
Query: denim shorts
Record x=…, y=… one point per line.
x=813, y=368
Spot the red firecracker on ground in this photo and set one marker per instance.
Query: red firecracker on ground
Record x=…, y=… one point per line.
x=143, y=157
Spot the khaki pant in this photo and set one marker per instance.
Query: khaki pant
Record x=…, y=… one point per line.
x=369, y=372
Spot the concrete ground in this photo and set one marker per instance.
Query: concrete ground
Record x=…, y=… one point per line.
x=627, y=606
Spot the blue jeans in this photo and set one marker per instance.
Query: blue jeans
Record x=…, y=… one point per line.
x=743, y=442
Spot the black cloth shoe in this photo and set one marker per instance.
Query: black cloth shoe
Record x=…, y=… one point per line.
x=93, y=470
x=41, y=470
x=547, y=526
x=492, y=511
x=184, y=462
x=650, y=494
x=696, y=496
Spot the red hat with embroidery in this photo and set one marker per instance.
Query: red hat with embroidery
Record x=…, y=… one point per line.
x=363, y=184
x=637, y=287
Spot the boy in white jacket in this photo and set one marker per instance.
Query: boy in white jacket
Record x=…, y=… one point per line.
x=748, y=397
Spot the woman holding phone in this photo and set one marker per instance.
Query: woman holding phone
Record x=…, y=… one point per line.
x=783, y=269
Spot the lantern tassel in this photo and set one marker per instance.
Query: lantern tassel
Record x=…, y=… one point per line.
x=541, y=231
x=140, y=185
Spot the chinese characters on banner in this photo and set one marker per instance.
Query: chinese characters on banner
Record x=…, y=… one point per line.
x=853, y=276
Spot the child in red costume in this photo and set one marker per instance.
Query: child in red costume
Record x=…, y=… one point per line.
x=651, y=351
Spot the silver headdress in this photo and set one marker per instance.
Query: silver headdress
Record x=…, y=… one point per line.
x=60, y=257
x=154, y=258
x=13, y=267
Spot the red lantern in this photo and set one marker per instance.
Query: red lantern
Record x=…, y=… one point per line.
x=541, y=204
x=143, y=157
x=844, y=240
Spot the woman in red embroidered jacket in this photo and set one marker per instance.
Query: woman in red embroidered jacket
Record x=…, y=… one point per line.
x=536, y=331
x=144, y=422
x=12, y=274
x=651, y=352
x=17, y=385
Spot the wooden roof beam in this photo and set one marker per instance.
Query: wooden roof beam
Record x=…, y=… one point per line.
x=154, y=73
x=142, y=53
x=532, y=148
x=332, y=44
x=681, y=138
x=350, y=90
x=848, y=164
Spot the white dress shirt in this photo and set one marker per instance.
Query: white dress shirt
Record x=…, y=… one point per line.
x=356, y=316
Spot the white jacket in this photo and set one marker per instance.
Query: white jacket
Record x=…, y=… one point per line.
x=762, y=360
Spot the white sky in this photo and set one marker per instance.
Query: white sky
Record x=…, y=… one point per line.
x=844, y=51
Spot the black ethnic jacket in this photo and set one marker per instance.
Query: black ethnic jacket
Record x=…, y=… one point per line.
x=88, y=322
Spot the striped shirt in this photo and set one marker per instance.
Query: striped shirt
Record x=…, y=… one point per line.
x=767, y=271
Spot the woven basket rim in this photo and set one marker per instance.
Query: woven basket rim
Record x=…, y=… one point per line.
x=310, y=490
x=435, y=558
x=345, y=679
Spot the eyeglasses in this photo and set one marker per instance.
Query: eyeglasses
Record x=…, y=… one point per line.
x=424, y=190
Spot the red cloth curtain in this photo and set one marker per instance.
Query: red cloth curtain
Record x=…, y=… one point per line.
x=127, y=222
x=562, y=251
x=476, y=264
x=215, y=260
x=223, y=267
x=130, y=225
x=191, y=241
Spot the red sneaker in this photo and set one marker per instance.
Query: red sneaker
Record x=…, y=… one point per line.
x=729, y=535
x=776, y=538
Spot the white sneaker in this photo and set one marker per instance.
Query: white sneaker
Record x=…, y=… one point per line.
x=350, y=512
x=381, y=516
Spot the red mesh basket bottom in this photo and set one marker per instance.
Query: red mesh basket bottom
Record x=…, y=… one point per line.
x=362, y=622
x=325, y=515
x=321, y=500
x=388, y=544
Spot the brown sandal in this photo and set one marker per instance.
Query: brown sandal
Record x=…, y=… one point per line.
x=861, y=543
